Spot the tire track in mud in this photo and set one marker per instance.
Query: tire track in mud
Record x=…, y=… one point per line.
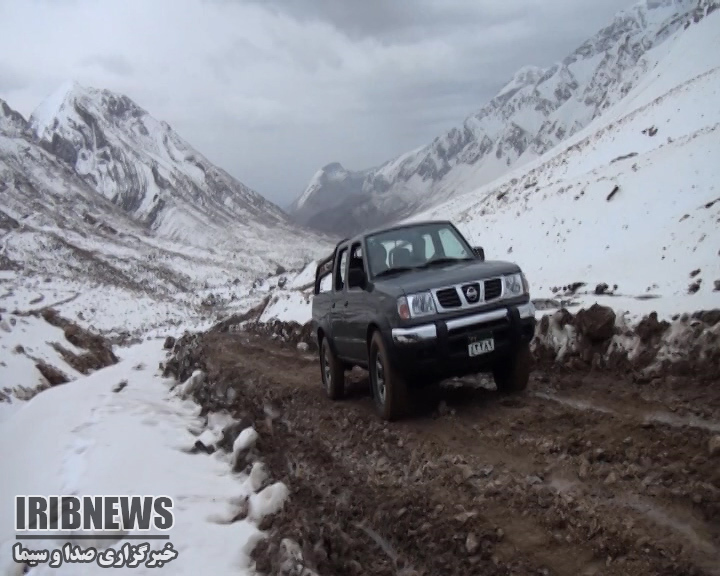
x=524, y=485
x=407, y=495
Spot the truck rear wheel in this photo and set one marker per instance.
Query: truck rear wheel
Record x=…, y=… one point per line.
x=513, y=374
x=388, y=386
x=333, y=372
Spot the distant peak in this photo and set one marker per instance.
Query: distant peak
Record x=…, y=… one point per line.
x=71, y=94
x=65, y=92
x=526, y=76
x=529, y=70
x=333, y=167
x=50, y=108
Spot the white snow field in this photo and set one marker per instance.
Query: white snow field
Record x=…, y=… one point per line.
x=98, y=436
x=23, y=342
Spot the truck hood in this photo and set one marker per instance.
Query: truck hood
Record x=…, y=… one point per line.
x=446, y=274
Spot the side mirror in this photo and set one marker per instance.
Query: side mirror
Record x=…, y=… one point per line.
x=479, y=252
x=356, y=278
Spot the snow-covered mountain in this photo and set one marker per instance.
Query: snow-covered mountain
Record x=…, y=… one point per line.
x=535, y=111
x=625, y=212
x=631, y=201
x=142, y=165
x=334, y=201
x=109, y=213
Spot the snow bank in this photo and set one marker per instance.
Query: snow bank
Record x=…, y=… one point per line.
x=136, y=438
x=598, y=338
x=289, y=306
x=36, y=354
x=306, y=277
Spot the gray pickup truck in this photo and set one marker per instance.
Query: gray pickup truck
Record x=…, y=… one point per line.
x=415, y=304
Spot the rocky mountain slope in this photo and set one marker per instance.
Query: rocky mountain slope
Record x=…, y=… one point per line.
x=143, y=166
x=535, y=111
x=110, y=215
x=626, y=212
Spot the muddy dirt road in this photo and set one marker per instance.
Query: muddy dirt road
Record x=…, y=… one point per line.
x=582, y=474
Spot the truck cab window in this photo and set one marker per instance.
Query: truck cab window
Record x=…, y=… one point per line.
x=356, y=259
x=340, y=271
x=452, y=247
x=429, y=246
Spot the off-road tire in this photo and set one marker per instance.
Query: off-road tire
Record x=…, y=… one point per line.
x=332, y=372
x=512, y=375
x=391, y=401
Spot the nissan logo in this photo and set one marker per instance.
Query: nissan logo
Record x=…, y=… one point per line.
x=471, y=294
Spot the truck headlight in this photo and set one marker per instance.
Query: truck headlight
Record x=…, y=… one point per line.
x=516, y=285
x=416, y=305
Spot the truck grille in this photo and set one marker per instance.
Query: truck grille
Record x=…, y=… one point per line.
x=493, y=288
x=448, y=298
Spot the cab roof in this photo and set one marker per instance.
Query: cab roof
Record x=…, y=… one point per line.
x=381, y=229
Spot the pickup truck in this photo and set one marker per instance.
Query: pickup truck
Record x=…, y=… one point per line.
x=415, y=304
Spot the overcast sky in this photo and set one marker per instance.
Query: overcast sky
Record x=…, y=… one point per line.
x=271, y=90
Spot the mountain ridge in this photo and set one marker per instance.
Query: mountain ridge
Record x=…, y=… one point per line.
x=143, y=165
x=534, y=111
x=81, y=225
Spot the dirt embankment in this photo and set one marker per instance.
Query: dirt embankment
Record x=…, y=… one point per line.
x=98, y=351
x=599, y=340
x=594, y=339
x=585, y=473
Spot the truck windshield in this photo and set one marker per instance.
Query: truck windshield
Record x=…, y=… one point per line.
x=421, y=246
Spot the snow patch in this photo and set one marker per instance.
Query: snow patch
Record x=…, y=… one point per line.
x=141, y=424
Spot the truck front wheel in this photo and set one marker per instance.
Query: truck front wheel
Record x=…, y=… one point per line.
x=512, y=375
x=388, y=386
x=333, y=372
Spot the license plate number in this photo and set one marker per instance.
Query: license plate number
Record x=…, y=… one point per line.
x=481, y=347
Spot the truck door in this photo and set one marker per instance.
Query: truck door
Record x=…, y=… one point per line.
x=356, y=309
x=338, y=308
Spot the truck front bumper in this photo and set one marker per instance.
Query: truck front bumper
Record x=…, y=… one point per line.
x=441, y=348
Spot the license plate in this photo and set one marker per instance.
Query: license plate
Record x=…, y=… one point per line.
x=481, y=347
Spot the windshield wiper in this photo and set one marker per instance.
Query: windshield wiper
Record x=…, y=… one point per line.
x=394, y=270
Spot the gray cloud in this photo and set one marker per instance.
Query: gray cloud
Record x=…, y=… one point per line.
x=11, y=79
x=273, y=89
x=397, y=20
x=113, y=63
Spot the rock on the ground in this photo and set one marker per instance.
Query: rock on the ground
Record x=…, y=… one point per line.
x=714, y=445
x=650, y=329
x=51, y=374
x=471, y=543
x=597, y=323
x=601, y=289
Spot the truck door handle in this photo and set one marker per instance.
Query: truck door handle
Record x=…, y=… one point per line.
x=346, y=304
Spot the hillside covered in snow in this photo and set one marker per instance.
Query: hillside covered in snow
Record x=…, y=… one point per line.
x=624, y=212
x=631, y=202
x=535, y=111
x=140, y=164
x=110, y=217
